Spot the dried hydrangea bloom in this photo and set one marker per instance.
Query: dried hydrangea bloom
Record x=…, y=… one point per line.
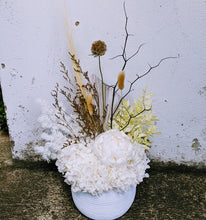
x=98, y=48
x=109, y=162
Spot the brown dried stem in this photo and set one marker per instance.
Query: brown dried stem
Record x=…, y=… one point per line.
x=134, y=116
x=90, y=124
x=123, y=55
x=133, y=82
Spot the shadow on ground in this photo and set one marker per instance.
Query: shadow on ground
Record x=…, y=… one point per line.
x=37, y=191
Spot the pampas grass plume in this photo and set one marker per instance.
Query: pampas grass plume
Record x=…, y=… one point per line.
x=89, y=104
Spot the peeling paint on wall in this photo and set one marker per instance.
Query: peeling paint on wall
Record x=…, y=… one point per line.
x=202, y=91
x=3, y=65
x=196, y=146
x=13, y=72
x=30, y=69
x=33, y=80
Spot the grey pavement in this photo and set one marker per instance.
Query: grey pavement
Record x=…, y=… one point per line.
x=35, y=190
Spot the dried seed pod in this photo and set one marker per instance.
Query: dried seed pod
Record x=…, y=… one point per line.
x=120, y=80
x=98, y=48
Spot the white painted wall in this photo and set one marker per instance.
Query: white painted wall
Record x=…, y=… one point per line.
x=33, y=40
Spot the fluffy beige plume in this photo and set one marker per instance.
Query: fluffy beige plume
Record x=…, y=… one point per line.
x=76, y=68
x=120, y=80
x=89, y=101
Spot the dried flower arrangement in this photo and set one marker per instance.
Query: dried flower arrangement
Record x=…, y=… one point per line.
x=100, y=145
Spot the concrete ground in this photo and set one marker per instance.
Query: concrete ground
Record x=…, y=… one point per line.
x=37, y=191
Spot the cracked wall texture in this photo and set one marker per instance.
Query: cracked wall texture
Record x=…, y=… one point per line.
x=33, y=42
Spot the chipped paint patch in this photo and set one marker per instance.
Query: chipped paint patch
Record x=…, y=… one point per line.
x=3, y=65
x=203, y=134
x=196, y=145
x=13, y=72
x=23, y=108
x=77, y=23
x=33, y=80
x=29, y=153
x=203, y=91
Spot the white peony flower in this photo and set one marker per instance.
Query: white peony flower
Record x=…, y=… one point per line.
x=113, y=147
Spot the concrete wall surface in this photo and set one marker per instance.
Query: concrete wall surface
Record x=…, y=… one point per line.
x=33, y=41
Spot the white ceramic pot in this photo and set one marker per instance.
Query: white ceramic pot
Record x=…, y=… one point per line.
x=107, y=206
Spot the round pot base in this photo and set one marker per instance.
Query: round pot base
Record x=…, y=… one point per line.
x=107, y=206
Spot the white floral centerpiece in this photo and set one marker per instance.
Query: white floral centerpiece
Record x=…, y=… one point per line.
x=111, y=161
x=101, y=145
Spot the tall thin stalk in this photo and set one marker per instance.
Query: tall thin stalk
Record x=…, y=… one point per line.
x=103, y=98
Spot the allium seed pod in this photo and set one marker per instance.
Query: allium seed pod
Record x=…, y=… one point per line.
x=120, y=80
x=98, y=48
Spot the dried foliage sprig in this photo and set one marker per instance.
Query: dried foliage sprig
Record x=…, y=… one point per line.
x=84, y=106
x=137, y=120
x=61, y=113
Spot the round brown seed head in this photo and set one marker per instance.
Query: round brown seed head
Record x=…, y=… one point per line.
x=98, y=48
